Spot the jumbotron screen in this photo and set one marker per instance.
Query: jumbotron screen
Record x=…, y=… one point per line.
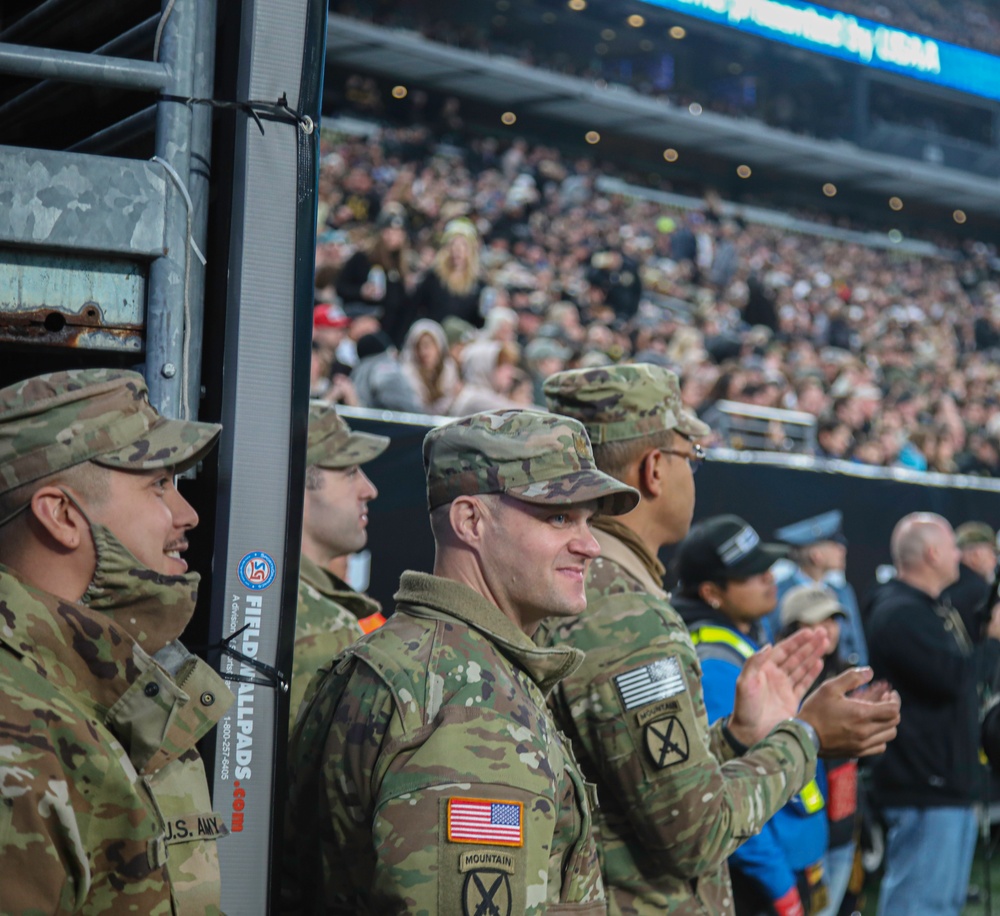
x=841, y=35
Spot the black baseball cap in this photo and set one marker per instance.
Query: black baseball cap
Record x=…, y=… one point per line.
x=724, y=547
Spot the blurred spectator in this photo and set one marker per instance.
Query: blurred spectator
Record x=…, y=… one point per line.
x=982, y=457
x=374, y=279
x=453, y=285
x=833, y=437
x=544, y=356
x=928, y=779
x=501, y=324
x=818, y=557
x=816, y=606
x=328, y=376
x=978, y=547
x=487, y=375
x=429, y=367
x=615, y=276
x=378, y=377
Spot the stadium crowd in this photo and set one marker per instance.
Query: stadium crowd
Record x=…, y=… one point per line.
x=461, y=274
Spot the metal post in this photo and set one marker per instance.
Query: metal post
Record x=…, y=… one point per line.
x=199, y=180
x=169, y=303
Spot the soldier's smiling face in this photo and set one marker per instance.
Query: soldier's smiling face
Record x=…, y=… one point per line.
x=537, y=558
x=147, y=513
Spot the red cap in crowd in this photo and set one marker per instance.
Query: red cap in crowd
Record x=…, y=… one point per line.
x=328, y=315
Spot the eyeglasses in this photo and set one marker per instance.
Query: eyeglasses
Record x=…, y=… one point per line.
x=694, y=458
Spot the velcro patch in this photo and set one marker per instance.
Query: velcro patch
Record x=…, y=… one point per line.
x=481, y=820
x=667, y=742
x=656, y=711
x=486, y=891
x=655, y=681
x=190, y=827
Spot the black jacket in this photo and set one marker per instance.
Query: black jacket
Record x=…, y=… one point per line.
x=432, y=299
x=967, y=596
x=920, y=646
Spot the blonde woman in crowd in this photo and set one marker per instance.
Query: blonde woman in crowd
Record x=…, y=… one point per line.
x=453, y=285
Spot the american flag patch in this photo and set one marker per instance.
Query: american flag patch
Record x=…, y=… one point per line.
x=650, y=683
x=477, y=820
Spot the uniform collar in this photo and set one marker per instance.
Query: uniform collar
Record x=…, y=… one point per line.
x=546, y=667
x=621, y=545
x=84, y=653
x=71, y=646
x=333, y=587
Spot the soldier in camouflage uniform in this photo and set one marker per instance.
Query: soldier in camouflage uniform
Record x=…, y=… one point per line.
x=676, y=796
x=330, y=614
x=104, y=803
x=426, y=775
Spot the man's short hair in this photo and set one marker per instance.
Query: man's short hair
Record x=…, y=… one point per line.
x=89, y=480
x=314, y=478
x=618, y=458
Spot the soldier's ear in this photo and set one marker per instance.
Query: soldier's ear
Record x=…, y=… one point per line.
x=467, y=517
x=650, y=481
x=62, y=521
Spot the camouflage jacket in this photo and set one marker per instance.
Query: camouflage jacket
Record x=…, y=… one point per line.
x=326, y=623
x=675, y=799
x=427, y=777
x=104, y=804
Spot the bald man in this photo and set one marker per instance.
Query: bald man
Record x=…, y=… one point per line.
x=927, y=780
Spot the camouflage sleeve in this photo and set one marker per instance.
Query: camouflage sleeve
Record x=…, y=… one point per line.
x=323, y=629
x=642, y=724
x=719, y=746
x=328, y=855
x=453, y=817
x=74, y=833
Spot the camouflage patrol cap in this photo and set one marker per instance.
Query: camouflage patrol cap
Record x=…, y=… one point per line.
x=622, y=402
x=972, y=533
x=533, y=456
x=54, y=421
x=333, y=444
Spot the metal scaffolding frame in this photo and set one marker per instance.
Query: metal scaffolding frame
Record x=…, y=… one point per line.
x=80, y=220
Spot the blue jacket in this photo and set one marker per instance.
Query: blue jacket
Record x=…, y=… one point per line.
x=853, y=648
x=795, y=837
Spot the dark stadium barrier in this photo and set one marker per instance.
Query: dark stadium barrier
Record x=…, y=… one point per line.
x=767, y=490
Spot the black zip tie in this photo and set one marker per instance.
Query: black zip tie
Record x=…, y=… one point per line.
x=274, y=677
x=258, y=110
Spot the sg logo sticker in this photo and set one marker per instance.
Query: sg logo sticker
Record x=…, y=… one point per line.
x=256, y=570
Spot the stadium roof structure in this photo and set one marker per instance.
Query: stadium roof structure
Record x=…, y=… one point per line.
x=408, y=57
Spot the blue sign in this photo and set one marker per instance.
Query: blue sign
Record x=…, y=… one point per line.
x=256, y=570
x=860, y=41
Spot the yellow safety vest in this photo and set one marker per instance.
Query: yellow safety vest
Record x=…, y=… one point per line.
x=809, y=796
